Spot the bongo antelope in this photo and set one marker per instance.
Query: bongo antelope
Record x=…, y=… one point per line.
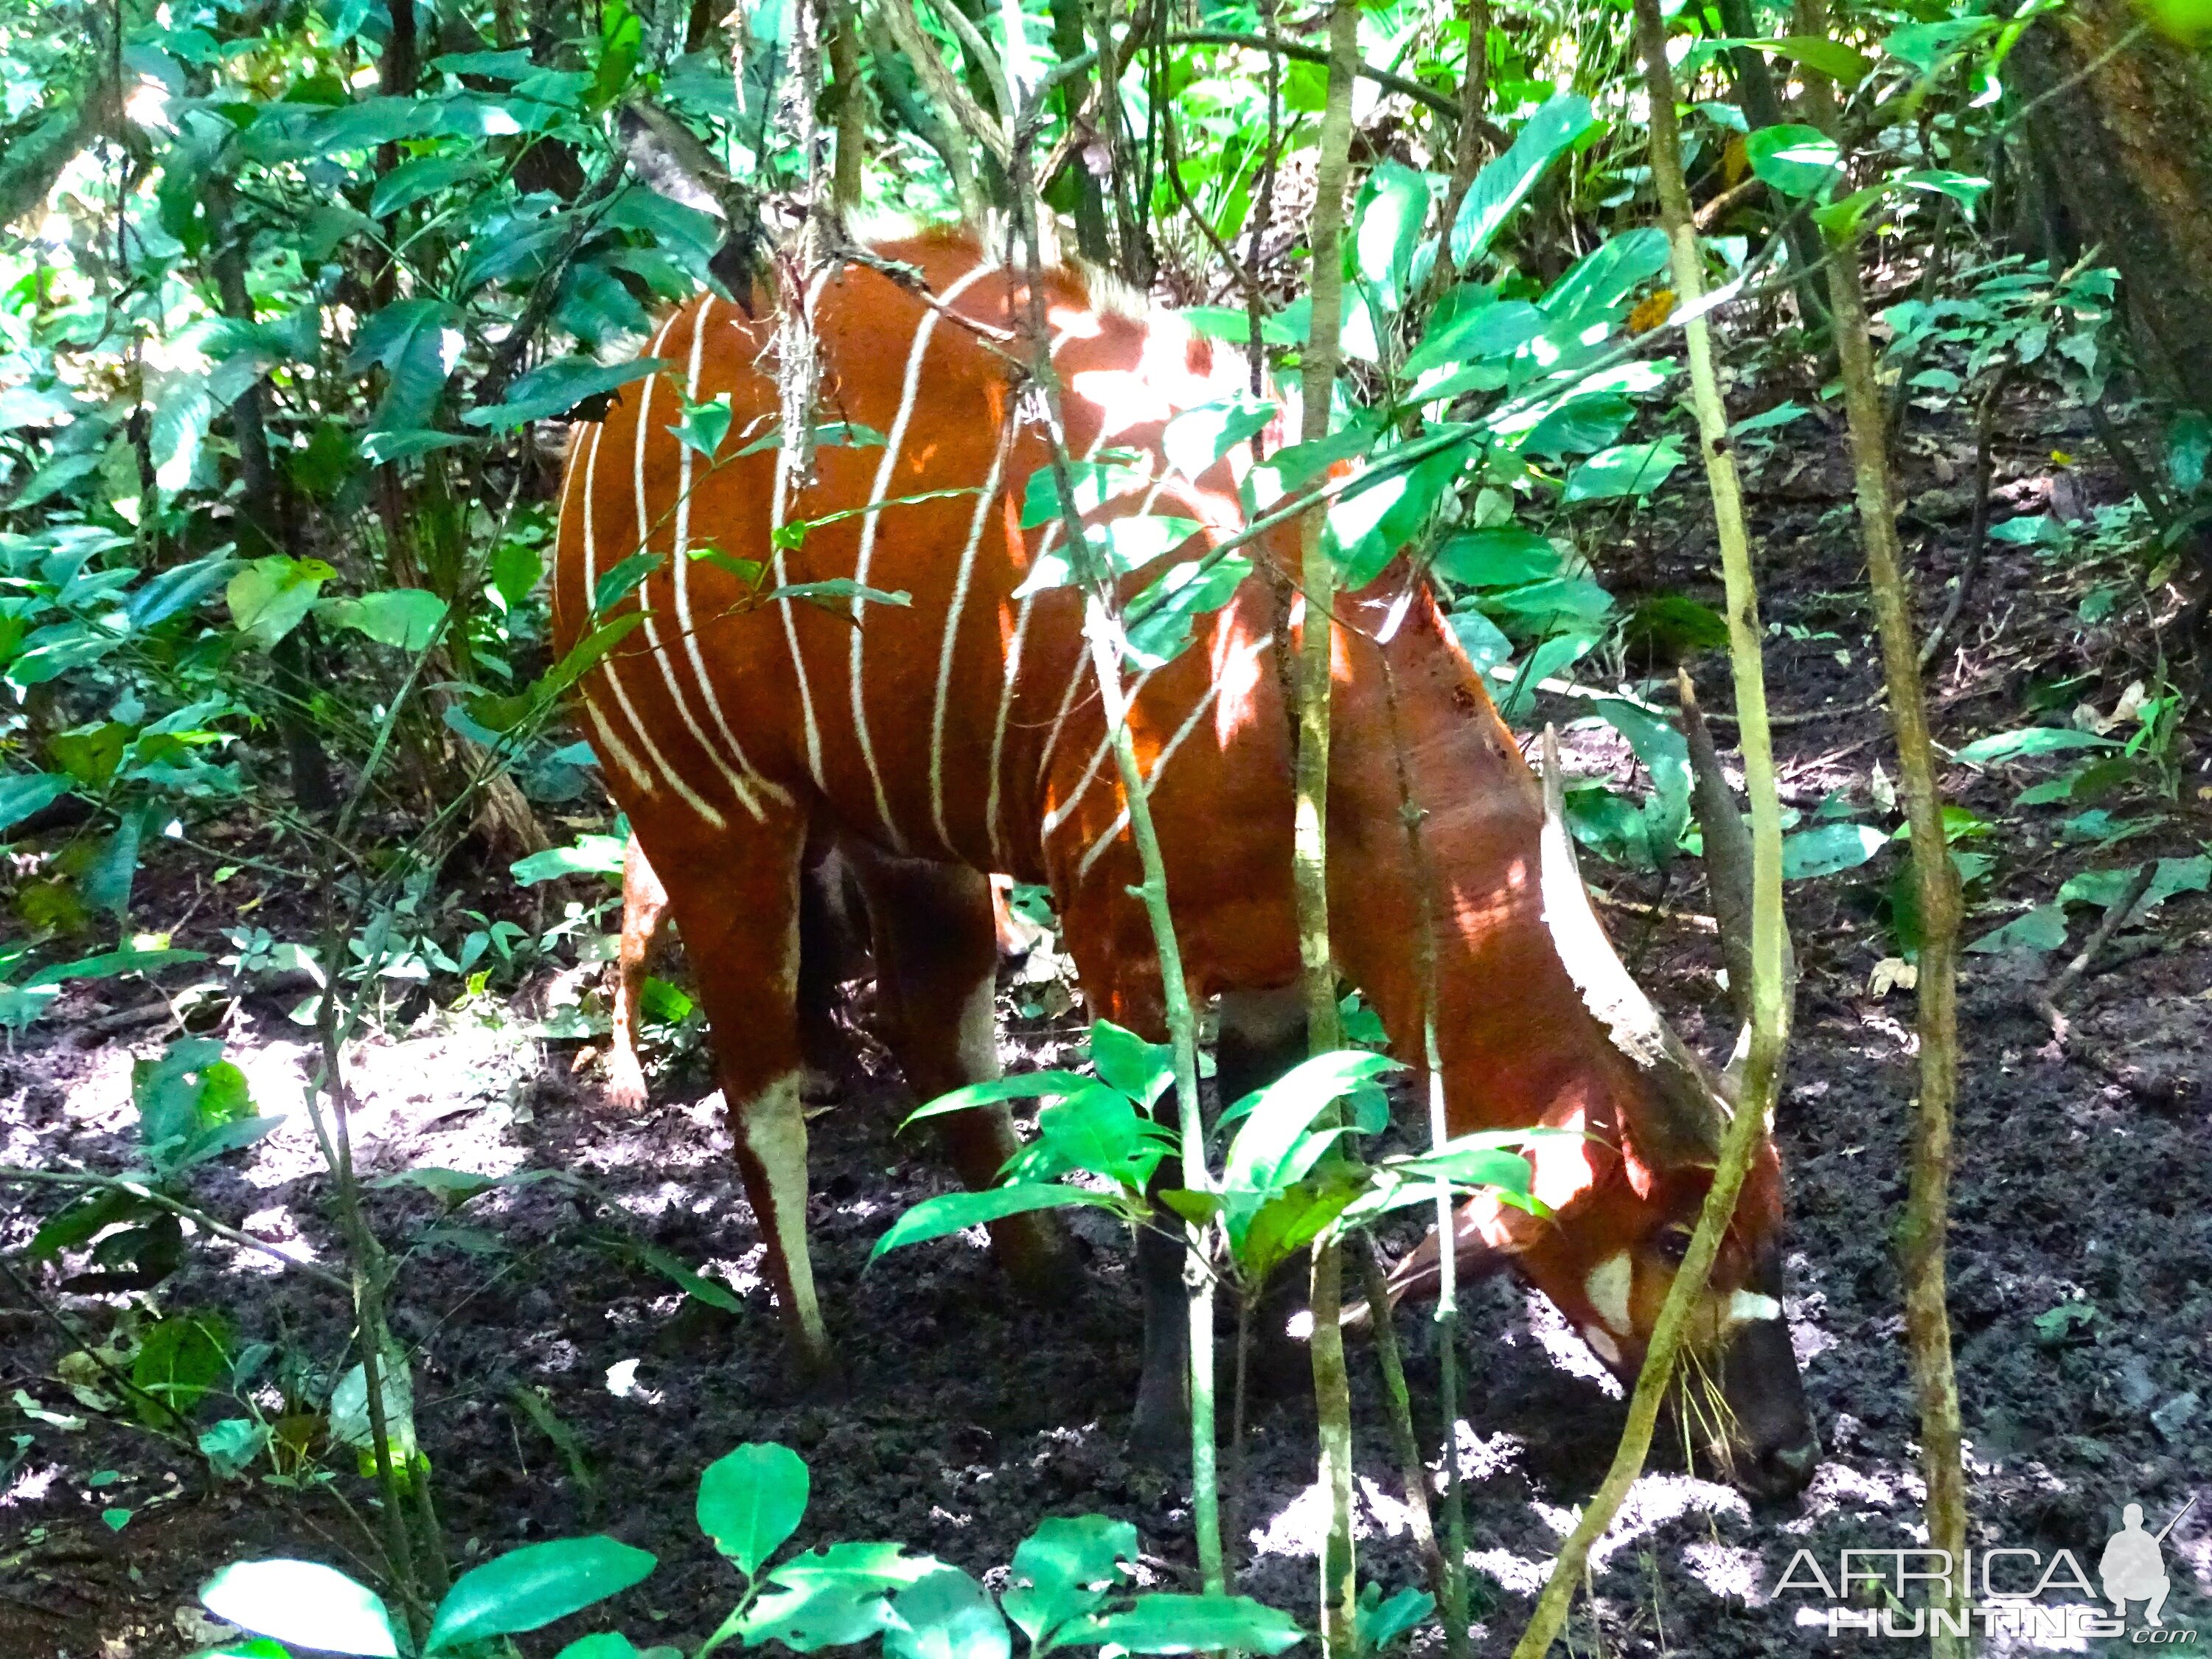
x=961, y=732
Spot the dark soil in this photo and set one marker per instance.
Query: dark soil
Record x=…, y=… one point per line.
x=2084, y=1181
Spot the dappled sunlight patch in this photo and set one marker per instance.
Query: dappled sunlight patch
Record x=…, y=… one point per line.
x=1481, y=1456
x=277, y=1227
x=1727, y=1571
x=1300, y=1526
x=1566, y=1347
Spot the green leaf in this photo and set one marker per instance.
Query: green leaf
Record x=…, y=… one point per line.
x=178, y=589
x=705, y=425
x=1162, y=1623
x=1624, y=470
x=558, y=386
x=272, y=596
x=417, y=343
x=303, y=1603
x=1198, y=438
x=22, y=794
x=834, y=1597
x=1829, y=849
x=1594, y=287
x=1381, y=1623
x=1168, y=610
x=1503, y=182
x=590, y=855
x=711, y=1291
x=1265, y=1153
x=952, y=1213
x=108, y=963
x=404, y=618
x=1023, y=1086
x=1064, y=1570
x=1476, y=333
x=1830, y=57
x=947, y=1615
x=425, y=176
x=2042, y=929
x=1393, y=206
x=752, y=1501
x=1098, y=1130
x=606, y=1644
x=1368, y=527
x=1125, y=1061
x=516, y=569
x=1794, y=160
x=2001, y=746
x=617, y=582
x=533, y=1586
x=231, y=1446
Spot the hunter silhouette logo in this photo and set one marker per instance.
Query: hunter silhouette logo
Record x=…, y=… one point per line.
x=2133, y=1563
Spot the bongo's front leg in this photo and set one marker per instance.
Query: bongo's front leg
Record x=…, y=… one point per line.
x=644, y=916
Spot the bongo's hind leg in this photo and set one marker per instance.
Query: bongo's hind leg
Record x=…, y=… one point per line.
x=937, y=960
x=736, y=904
x=644, y=915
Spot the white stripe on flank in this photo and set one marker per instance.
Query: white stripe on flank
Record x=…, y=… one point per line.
x=1083, y=660
x=1159, y=764
x=1059, y=814
x=680, y=560
x=886, y=470
x=658, y=764
x=619, y=751
x=1013, y=672
x=676, y=698
x=952, y=626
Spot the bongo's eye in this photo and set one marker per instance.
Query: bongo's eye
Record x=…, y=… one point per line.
x=1672, y=1243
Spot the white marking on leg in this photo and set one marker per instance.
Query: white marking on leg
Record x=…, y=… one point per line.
x=1606, y=1289
x=1602, y=1345
x=680, y=562
x=1749, y=1307
x=952, y=615
x=657, y=770
x=773, y=1127
x=886, y=471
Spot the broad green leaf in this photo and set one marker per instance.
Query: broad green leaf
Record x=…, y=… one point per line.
x=417, y=343
x=558, y=386
x=589, y=855
x=1023, y=1086
x=1595, y=284
x=1139, y=1069
x=22, y=794
x=1161, y=618
x=953, y=1213
x=272, y=596
x=711, y=1291
x=1666, y=756
x=618, y=581
x=404, y=618
x=231, y=1446
x=704, y=426
x=1260, y=1155
x=533, y=1586
x=2108, y=887
x=108, y=963
x=1794, y=160
x=1198, y=438
x=303, y=1603
x=1381, y=1623
x=947, y=1615
x=349, y=1420
x=1476, y=333
x=1163, y=1623
x=606, y=1644
x=1064, y=1570
x=1503, y=182
x=2042, y=929
x=752, y=1501
x=833, y=1597
x=1624, y=470
x=1097, y=1130
x=1393, y=206
x=1829, y=849
x=425, y=176
x=177, y=588
x=1367, y=528
x=2001, y=746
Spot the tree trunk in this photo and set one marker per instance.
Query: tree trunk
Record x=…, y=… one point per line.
x=2128, y=144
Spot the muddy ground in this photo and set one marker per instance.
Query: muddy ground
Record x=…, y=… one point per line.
x=2084, y=1182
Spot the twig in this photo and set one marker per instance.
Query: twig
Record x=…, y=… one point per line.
x=2047, y=1000
x=1495, y=136
x=1976, y=537
x=198, y=1217
x=1726, y=203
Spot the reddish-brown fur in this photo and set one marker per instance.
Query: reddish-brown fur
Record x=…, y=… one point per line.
x=935, y=790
